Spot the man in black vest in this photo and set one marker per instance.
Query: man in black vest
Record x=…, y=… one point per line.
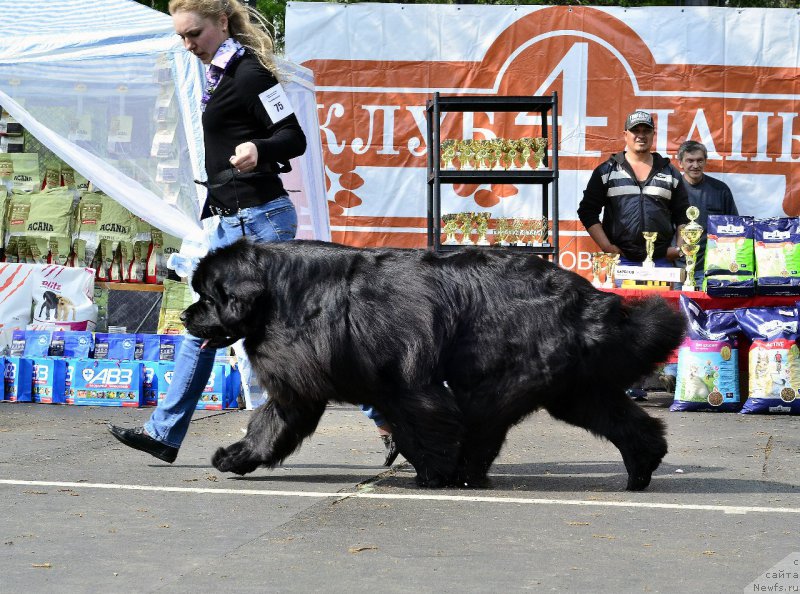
x=636, y=190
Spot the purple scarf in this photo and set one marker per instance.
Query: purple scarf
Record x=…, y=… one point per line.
x=227, y=54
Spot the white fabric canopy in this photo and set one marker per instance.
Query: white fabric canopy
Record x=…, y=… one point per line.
x=74, y=72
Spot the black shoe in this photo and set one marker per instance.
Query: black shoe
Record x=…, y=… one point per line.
x=391, y=449
x=638, y=394
x=138, y=439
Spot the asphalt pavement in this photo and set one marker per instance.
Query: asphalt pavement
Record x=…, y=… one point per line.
x=82, y=513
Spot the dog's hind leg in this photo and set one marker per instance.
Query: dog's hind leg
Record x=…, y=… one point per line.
x=273, y=433
x=429, y=431
x=638, y=436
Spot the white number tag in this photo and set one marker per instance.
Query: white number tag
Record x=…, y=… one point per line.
x=276, y=103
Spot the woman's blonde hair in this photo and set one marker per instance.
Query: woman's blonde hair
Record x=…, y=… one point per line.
x=255, y=34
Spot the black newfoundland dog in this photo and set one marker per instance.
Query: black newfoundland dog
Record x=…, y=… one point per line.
x=453, y=349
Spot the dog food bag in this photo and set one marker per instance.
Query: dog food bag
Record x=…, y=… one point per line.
x=729, y=261
x=148, y=347
x=49, y=221
x=72, y=344
x=17, y=347
x=116, y=347
x=177, y=297
x=26, y=176
x=87, y=224
x=63, y=296
x=777, y=253
x=15, y=299
x=774, y=374
x=170, y=344
x=37, y=343
x=708, y=361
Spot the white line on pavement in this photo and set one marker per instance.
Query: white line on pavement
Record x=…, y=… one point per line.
x=728, y=509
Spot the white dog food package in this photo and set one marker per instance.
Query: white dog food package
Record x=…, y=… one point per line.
x=774, y=373
x=708, y=370
x=15, y=299
x=63, y=297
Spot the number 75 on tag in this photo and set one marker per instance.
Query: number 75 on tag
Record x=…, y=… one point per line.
x=276, y=103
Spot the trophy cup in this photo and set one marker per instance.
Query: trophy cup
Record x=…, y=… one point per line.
x=691, y=234
x=545, y=231
x=465, y=220
x=466, y=153
x=649, y=240
x=610, y=263
x=482, y=222
x=528, y=146
x=597, y=265
x=518, y=227
x=448, y=153
x=539, y=152
x=502, y=232
x=450, y=227
x=536, y=232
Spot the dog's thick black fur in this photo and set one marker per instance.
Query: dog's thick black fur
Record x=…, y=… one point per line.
x=452, y=349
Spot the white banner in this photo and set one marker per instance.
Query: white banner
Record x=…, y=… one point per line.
x=725, y=77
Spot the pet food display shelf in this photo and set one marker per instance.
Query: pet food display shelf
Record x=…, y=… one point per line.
x=706, y=301
x=547, y=108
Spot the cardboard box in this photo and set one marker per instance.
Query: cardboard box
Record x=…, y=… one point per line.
x=18, y=379
x=101, y=382
x=49, y=380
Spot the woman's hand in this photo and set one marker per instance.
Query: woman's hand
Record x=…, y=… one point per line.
x=246, y=157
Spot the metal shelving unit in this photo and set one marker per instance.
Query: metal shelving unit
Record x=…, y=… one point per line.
x=547, y=107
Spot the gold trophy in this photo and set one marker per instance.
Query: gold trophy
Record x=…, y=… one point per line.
x=611, y=261
x=465, y=221
x=450, y=227
x=502, y=232
x=448, y=153
x=597, y=266
x=482, y=222
x=691, y=234
x=650, y=241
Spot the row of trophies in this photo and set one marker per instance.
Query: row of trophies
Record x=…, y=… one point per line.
x=507, y=232
x=498, y=154
x=604, y=264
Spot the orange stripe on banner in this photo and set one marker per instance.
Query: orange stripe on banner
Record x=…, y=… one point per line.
x=15, y=289
x=10, y=279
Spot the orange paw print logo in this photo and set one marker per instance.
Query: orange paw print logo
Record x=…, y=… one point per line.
x=482, y=196
x=346, y=197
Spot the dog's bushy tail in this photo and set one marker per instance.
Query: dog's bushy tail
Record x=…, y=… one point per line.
x=650, y=331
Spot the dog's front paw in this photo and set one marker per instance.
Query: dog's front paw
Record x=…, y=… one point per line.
x=638, y=482
x=236, y=458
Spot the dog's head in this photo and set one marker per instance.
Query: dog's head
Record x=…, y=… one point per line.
x=230, y=285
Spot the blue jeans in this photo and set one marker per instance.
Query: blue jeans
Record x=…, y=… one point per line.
x=274, y=221
x=373, y=414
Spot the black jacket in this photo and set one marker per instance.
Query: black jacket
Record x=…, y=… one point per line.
x=235, y=114
x=629, y=207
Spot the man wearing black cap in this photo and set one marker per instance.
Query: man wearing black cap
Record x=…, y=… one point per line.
x=636, y=190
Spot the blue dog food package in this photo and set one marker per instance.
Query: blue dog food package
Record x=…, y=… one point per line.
x=17, y=347
x=18, y=379
x=774, y=358
x=170, y=344
x=148, y=347
x=729, y=261
x=777, y=253
x=74, y=344
x=221, y=390
x=49, y=380
x=37, y=343
x=116, y=347
x=708, y=361
x=107, y=383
